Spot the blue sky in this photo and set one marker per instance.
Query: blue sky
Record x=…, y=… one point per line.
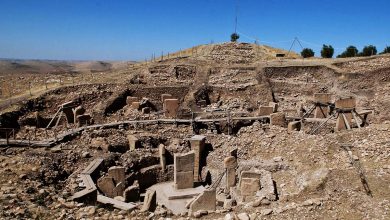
x=134, y=30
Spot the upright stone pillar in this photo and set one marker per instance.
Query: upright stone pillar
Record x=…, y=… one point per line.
x=230, y=164
x=322, y=99
x=78, y=111
x=163, y=160
x=133, y=142
x=68, y=111
x=184, y=170
x=165, y=96
x=274, y=106
x=278, y=119
x=117, y=173
x=197, y=145
x=171, y=107
x=345, y=106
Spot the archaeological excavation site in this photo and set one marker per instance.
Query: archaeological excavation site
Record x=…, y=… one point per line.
x=218, y=131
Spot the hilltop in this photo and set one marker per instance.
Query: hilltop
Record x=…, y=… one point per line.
x=86, y=137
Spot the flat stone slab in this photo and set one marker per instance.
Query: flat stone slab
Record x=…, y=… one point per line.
x=116, y=203
x=175, y=199
x=92, y=166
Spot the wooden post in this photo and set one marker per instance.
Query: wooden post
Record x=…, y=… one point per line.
x=356, y=120
x=346, y=121
x=228, y=122
x=6, y=137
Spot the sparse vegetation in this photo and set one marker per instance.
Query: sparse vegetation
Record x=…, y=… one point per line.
x=234, y=37
x=369, y=50
x=327, y=51
x=307, y=52
x=386, y=50
x=350, y=51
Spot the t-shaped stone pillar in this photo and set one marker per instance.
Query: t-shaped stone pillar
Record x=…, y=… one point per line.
x=197, y=145
x=78, y=111
x=322, y=108
x=171, y=107
x=68, y=111
x=165, y=96
x=344, y=107
x=184, y=170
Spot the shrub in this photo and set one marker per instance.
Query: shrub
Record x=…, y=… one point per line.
x=386, y=50
x=327, y=51
x=368, y=51
x=307, y=52
x=234, y=37
x=351, y=51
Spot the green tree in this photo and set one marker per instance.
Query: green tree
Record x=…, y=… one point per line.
x=351, y=51
x=386, y=50
x=234, y=37
x=307, y=52
x=368, y=51
x=327, y=51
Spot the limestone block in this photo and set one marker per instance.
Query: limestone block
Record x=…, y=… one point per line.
x=267, y=186
x=133, y=142
x=204, y=201
x=348, y=103
x=117, y=173
x=184, y=180
x=131, y=194
x=119, y=189
x=135, y=105
x=163, y=160
x=345, y=103
x=106, y=185
x=230, y=179
x=278, y=119
x=184, y=162
x=230, y=162
x=274, y=106
x=323, y=98
x=184, y=170
x=166, y=96
x=150, y=202
x=249, y=186
x=322, y=111
x=171, y=107
x=197, y=145
x=265, y=110
x=131, y=99
x=294, y=126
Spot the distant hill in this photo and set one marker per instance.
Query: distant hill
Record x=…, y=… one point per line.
x=8, y=66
